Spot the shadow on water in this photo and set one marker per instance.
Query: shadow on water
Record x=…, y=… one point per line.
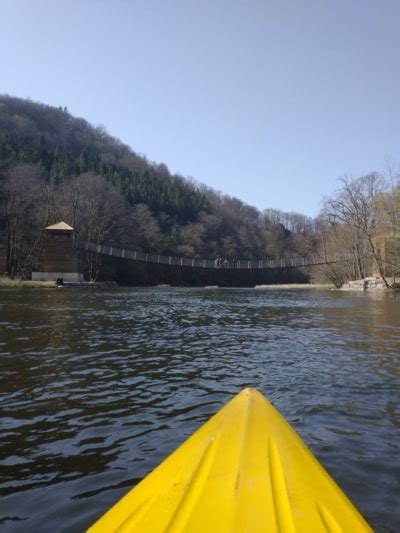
x=98, y=387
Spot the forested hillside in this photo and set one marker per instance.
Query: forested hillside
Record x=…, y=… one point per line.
x=55, y=166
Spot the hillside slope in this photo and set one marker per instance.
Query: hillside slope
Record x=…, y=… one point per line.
x=53, y=166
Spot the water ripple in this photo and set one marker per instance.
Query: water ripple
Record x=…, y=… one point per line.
x=97, y=388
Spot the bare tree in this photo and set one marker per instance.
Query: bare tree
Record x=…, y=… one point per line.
x=96, y=210
x=387, y=210
x=338, y=241
x=147, y=228
x=22, y=207
x=192, y=240
x=354, y=206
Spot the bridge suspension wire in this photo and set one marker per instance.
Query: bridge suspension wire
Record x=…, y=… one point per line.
x=258, y=264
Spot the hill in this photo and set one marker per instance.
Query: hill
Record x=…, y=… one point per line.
x=56, y=166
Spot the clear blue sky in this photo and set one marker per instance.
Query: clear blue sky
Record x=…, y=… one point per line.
x=269, y=101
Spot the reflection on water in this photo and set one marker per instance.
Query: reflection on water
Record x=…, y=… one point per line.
x=98, y=387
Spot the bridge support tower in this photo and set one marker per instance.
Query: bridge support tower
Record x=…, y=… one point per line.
x=59, y=258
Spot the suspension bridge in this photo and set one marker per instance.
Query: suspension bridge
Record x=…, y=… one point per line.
x=208, y=264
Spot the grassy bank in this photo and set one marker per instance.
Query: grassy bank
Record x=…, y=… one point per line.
x=7, y=283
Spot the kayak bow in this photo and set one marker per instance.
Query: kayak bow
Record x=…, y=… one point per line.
x=244, y=470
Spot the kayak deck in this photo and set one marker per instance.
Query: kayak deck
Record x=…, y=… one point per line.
x=244, y=470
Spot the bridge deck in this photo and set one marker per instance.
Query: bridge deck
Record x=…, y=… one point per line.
x=204, y=263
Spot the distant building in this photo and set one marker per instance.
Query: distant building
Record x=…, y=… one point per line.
x=59, y=258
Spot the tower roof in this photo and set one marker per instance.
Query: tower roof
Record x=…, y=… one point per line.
x=60, y=226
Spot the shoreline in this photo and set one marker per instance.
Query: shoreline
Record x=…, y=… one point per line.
x=7, y=283
x=308, y=286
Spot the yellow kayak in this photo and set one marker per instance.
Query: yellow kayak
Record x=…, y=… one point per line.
x=245, y=470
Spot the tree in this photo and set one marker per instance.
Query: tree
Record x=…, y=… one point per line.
x=339, y=241
x=97, y=212
x=147, y=229
x=354, y=206
x=22, y=207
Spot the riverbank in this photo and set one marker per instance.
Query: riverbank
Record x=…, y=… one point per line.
x=309, y=286
x=8, y=283
x=368, y=284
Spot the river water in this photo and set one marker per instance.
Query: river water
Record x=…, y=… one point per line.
x=97, y=387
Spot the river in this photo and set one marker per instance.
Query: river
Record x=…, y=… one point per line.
x=97, y=387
